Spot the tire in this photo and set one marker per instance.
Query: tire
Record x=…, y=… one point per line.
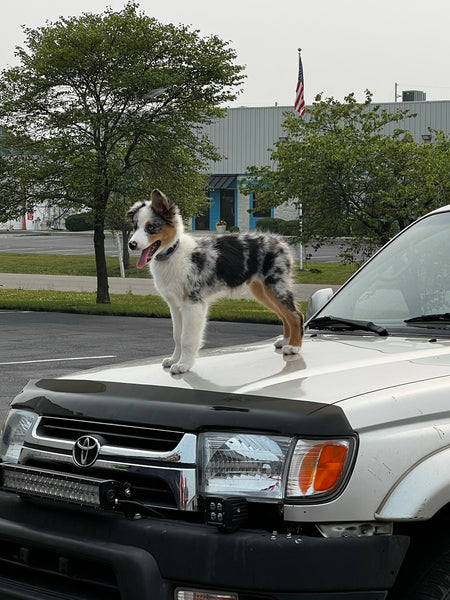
x=429, y=583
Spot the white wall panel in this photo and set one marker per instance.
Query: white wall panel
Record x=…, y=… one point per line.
x=246, y=135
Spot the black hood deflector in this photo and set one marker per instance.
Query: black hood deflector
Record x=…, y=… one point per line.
x=181, y=409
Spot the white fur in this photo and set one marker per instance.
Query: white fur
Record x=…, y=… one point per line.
x=188, y=320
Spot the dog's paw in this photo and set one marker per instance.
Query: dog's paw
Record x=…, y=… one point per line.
x=179, y=368
x=168, y=362
x=281, y=341
x=171, y=360
x=288, y=349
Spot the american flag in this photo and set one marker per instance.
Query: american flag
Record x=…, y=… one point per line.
x=300, y=91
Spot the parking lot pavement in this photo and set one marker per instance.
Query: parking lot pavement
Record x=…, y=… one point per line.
x=38, y=345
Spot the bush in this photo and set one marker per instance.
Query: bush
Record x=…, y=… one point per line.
x=269, y=224
x=80, y=222
x=290, y=228
x=274, y=225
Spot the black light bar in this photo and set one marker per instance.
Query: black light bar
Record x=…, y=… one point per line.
x=40, y=483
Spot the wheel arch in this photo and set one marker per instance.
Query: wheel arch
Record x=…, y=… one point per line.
x=421, y=493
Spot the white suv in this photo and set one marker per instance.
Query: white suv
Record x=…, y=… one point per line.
x=256, y=476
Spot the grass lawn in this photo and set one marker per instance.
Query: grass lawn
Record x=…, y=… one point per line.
x=129, y=305
x=135, y=305
x=59, y=264
x=333, y=273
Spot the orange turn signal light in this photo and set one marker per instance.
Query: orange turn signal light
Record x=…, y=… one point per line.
x=321, y=467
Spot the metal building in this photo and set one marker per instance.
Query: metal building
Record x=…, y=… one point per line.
x=246, y=136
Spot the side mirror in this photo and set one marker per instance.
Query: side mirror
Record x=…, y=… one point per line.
x=317, y=300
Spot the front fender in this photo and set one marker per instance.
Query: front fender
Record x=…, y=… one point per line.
x=422, y=491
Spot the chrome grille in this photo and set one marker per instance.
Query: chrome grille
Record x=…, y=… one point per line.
x=158, y=465
x=124, y=436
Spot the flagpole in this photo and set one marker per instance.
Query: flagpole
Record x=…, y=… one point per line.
x=299, y=107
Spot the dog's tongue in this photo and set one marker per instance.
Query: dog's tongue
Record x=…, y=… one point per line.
x=146, y=255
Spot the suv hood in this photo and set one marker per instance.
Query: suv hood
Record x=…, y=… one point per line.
x=330, y=368
x=337, y=384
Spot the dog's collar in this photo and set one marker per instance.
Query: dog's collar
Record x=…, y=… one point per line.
x=168, y=253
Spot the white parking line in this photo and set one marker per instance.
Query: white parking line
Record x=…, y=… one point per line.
x=46, y=360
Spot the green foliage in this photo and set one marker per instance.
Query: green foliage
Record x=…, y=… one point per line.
x=80, y=222
x=353, y=172
x=271, y=224
x=104, y=107
x=290, y=228
x=280, y=226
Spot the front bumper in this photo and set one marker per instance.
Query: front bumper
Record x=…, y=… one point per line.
x=80, y=553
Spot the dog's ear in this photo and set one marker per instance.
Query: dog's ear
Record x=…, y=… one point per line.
x=162, y=205
x=133, y=210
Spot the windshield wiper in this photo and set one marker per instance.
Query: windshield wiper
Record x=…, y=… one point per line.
x=428, y=319
x=339, y=324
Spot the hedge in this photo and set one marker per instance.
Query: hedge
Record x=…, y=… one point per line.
x=274, y=225
x=80, y=222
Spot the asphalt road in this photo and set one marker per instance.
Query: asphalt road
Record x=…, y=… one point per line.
x=54, y=243
x=37, y=345
x=82, y=244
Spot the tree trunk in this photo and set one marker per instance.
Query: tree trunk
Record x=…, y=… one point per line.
x=125, y=252
x=100, y=263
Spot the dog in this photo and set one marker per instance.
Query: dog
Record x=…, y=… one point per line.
x=189, y=272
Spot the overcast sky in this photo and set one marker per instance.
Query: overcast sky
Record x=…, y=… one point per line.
x=347, y=45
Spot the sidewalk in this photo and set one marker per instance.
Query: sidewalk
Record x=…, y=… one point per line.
x=117, y=285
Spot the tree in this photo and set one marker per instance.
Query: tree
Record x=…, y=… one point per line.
x=349, y=175
x=441, y=155
x=109, y=106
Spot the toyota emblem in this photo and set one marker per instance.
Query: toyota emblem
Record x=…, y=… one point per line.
x=85, y=451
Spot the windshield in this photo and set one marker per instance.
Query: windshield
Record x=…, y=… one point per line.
x=409, y=278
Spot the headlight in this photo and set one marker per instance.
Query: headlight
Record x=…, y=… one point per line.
x=319, y=468
x=15, y=427
x=245, y=464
